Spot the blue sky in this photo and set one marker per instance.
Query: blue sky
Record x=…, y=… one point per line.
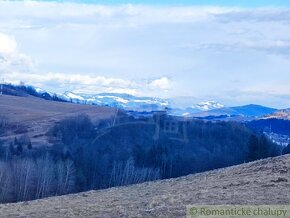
x=235, y=54
x=227, y=3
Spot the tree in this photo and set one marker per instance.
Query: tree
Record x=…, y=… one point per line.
x=263, y=147
x=44, y=177
x=29, y=146
x=65, y=174
x=19, y=149
x=286, y=150
x=23, y=179
x=126, y=173
x=6, y=186
x=253, y=148
x=11, y=148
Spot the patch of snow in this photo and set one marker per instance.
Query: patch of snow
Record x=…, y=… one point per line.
x=208, y=105
x=74, y=96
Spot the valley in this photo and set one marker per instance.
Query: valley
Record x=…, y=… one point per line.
x=99, y=147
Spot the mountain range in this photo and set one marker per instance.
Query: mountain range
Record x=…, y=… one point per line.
x=205, y=109
x=137, y=104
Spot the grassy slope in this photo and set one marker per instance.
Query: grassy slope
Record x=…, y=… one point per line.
x=38, y=115
x=281, y=114
x=262, y=182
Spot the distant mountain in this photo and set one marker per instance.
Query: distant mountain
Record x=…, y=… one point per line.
x=250, y=110
x=253, y=110
x=123, y=101
x=208, y=105
x=196, y=108
x=206, y=110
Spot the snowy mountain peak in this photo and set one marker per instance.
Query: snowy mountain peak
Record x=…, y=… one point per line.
x=124, y=101
x=70, y=95
x=208, y=105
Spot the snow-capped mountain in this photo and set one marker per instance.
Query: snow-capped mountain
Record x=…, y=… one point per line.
x=129, y=102
x=123, y=101
x=134, y=103
x=208, y=105
x=250, y=110
x=196, y=108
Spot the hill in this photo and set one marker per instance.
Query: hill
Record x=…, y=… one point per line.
x=271, y=125
x=236, y=113
x=34, y=116
x=261, y=182
x=209, y=110
x=280, y=114
x=253, y=110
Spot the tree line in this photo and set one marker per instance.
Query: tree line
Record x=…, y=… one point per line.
x=84, y=156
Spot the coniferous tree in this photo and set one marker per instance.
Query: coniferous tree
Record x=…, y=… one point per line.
x=253, y=148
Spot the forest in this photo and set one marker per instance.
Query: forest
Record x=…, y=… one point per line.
x=86, y=155
x=279, y=126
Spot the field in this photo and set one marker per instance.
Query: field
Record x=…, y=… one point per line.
x=261, y=182
x=35, y=116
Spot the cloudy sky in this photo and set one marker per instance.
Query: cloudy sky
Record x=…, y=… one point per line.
x=235, y=53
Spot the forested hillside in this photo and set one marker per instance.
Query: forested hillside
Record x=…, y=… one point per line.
x=89, y=155
x=279, y=126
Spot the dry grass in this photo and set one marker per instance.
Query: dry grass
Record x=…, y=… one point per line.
x=262, y=182
x=35, y=116
x=281, y=114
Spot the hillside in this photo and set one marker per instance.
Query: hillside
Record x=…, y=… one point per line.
x=35, y=115
x=281, y=114
x=262, y=182
x=240, y=113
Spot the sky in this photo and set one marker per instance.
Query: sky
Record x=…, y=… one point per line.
x=234, y=52
x=235, y=3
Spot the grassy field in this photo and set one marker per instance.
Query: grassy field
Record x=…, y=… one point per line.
x=36, y=115
x=261, y=182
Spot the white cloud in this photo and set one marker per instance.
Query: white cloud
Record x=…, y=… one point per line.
x=163, y=83
x=200, y=51
x=87, y=84
x=31, y=14
x=8, y=44
x=11, y=60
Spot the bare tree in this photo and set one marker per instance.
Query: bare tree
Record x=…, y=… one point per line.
x=23, y=178
x=125, y=174
x=66, y=173
x=44, y=177
x=6, y=192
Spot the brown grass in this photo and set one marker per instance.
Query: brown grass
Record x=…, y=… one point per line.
x=256, y=183
x=35, y=116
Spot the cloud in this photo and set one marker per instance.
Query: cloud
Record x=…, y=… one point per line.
x=255, y=15
x=273, y=47
x=163, y=83
x=31, y=14
x=204, y=52
x=8, y=44
x=87, y=84
x=11, y=60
